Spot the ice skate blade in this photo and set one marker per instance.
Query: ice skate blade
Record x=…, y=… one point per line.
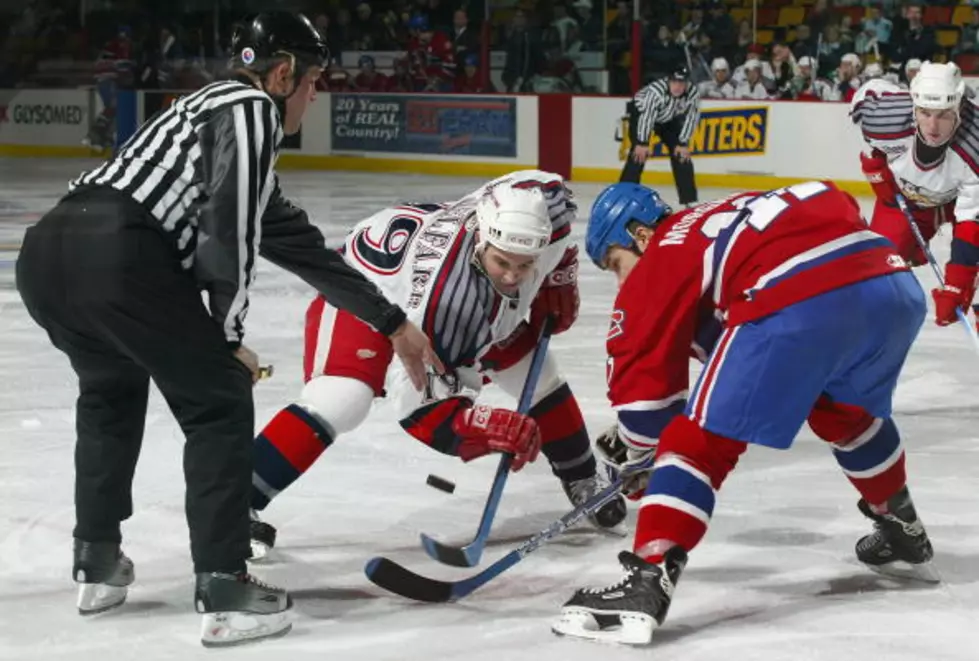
x=622, y=628
x=260, y=551
x=237, y=628
x=924, y=572
x=95, y=598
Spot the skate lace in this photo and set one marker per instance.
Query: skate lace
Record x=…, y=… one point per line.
x=618, y=585
x=250, y=578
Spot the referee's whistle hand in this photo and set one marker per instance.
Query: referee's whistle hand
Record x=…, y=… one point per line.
x=640, y=153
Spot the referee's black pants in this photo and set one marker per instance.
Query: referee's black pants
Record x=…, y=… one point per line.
x=683, y=175
x=106, y=286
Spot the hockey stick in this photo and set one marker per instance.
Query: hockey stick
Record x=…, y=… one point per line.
x=969, y=329
x=396, y=578
x=469, y=555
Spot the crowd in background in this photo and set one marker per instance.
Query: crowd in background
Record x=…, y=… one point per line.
x=798, y=49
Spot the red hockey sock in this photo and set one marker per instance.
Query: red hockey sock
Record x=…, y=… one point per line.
x=284, y=450
x=564, y=438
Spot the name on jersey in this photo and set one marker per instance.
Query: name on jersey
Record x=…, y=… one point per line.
x=430, y=250
x=678, y=233
x=720, y=132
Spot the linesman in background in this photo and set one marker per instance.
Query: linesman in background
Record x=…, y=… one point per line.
x=670, y=108
x=114, y=274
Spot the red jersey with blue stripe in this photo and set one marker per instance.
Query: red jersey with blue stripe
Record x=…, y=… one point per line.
x=722, y=264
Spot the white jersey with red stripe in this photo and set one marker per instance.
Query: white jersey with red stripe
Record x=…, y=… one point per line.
x=722, y=264
x=422, y=258
x=884, y=112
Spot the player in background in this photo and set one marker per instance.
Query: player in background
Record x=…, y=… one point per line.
x=780, y=294
x=845, y=81
x=719, y=86
x=432, y=56
x=113, y=67
x=479, y=276
x=806, y=86
x=369, y=79
x=924, y=145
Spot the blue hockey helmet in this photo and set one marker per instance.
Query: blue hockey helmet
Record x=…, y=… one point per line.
x=613, y=210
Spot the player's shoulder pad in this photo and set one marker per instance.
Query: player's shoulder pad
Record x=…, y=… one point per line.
x=966, y=140
x=869, y=96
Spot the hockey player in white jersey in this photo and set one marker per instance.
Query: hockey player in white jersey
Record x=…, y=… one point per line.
x=720, y=85
x=924, y=145
x=479, y=276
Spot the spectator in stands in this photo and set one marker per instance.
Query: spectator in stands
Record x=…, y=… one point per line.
x=561, y=24
x=469, y=80
x=753, y=53
x=464, y=41
x=369, y=79
x=804, y=44
x=831, y=50
x=524, y=54
x=754, y=85
x=692, y=31
x=719, y=28
x=916, y=40
x=876, y=29
x=911, y=68
x=819, y=17
x=366, y=29
x=782, y=64
x=746, y=37
x=591, y=26
x=432, y=56
x=806, y=86
x=401, y=80
x=334, y=78
x=719, y=86
x=969, y=41
x=558, y=75
x=663, y=55
x=846, y=81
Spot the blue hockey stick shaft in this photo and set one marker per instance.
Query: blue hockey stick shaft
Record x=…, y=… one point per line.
x=969, y=328
x=469, y=555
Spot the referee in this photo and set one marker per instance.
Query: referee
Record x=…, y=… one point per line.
x=670, y=108
x=115, y=275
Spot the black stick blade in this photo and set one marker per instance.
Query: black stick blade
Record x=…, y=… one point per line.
x=394, y=578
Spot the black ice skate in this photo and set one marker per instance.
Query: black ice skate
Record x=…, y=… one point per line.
x=899, y=545
x=104, y=574
x=262, y=537
x=608, y=516
x=238, y=608
x=628, y=611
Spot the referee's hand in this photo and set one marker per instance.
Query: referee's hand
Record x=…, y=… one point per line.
x=249, y=359
x=415, y=351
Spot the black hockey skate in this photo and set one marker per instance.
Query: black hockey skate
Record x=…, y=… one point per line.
x=609, y=515
x=238, y=608
x=899, y=545
x=104, y=574
x=262, y=537
x=630, y=610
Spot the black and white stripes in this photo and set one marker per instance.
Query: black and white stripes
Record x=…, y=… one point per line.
x=656, y=105
x=204, y=168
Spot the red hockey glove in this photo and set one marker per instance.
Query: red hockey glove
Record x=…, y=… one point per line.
x=558, y=295
x=484, y=429
x=879, y=174
x=959, y=289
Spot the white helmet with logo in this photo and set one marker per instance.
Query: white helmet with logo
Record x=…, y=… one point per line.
x=938, y=86
x=514, y=220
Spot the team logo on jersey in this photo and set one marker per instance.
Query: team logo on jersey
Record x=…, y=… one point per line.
x=615, y=325
x=247, y=55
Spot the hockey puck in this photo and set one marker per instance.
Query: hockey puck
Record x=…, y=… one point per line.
x=440, y=484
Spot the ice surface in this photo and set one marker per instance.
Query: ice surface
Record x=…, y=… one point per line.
x=775, y=579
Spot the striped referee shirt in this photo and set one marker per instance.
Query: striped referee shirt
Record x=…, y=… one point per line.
x=655, y=105
x=204, y=169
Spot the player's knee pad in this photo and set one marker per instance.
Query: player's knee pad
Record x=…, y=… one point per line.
x=339, y=403
x=713, y=455
x=564, y=438
x=838, y=423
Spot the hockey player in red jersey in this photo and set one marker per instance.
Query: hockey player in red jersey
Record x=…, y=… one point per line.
x=924, y=144
x=480, y=275
x=113, y=67
x=369, y=79
x=781, y=294
x=432, y=57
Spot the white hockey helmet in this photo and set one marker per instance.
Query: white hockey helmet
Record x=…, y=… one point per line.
x=805, y=61
x=719, y=64
x=938, y=86
x=515, y=220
